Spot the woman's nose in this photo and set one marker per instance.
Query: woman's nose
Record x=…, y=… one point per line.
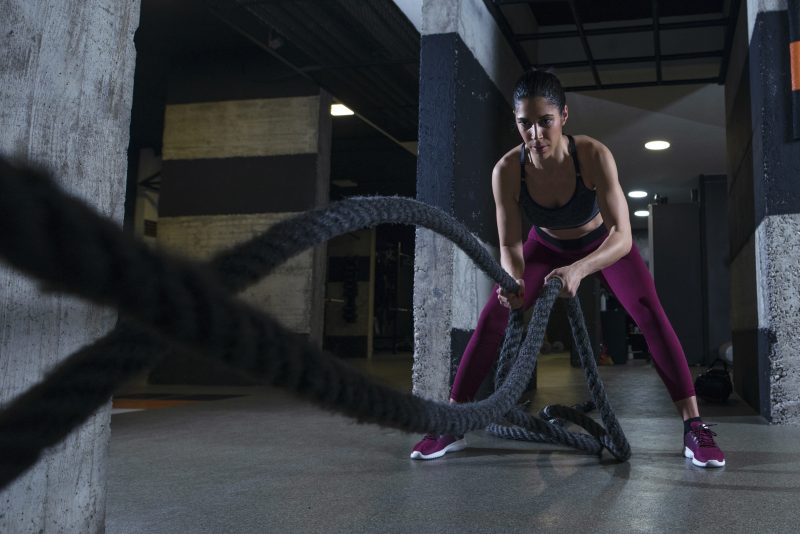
x=536, y=132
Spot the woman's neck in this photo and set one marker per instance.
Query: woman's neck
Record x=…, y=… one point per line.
x=556, y=159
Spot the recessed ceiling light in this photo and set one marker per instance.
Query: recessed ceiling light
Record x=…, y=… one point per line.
x=637, y=194
x=340, y=110
x=656, y=145
x=641, y=213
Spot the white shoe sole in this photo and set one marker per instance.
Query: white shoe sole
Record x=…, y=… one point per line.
x=456, y=446
x=687, y=452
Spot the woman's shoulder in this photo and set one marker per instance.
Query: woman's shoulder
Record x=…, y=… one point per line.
x=509, y=162
x=590, y=149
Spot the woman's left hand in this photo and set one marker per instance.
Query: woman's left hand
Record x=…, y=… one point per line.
x=570, y=276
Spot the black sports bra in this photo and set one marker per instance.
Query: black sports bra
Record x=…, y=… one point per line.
x=579, y=210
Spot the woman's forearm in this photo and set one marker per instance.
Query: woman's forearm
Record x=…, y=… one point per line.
x=511, y=259
x=615, y=246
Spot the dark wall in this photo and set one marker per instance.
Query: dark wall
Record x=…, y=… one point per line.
x=233, y=75
x=716, y=264
x=224, y=186
x=375, y=163
x=676, y=265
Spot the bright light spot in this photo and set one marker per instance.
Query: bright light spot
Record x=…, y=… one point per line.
x=656, y=145
x=637, y=194
x=641, y=213
x=340, y=110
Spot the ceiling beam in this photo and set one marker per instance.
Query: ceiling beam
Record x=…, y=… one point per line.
x=656, y=41
x=631, y=85
x=733, y=16
x=614, y=30
x=585, y=43
x=508, y=33
x=637, y=59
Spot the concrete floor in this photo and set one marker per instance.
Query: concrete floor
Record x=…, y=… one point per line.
x=266, y=462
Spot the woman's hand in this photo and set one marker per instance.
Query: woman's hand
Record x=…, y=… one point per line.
x=512, y=301
x=570, y=276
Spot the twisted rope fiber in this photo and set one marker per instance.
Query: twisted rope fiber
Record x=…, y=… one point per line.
x=63, y=269
x=73, y=249
x=528, y=428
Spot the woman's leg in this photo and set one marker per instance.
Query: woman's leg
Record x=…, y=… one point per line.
x=632, y=284
x=482, y=349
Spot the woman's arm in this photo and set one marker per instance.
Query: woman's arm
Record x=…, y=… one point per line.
x=509, y=228
x=614, y=209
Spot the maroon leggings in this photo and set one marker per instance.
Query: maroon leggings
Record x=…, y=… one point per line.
x=628, y=279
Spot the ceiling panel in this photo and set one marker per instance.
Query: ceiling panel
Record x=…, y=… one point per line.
x=591, y=33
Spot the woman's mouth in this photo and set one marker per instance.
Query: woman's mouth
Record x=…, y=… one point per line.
x=539, y=148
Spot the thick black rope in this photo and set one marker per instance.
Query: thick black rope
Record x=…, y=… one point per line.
x=528, y=428
x=57, y=239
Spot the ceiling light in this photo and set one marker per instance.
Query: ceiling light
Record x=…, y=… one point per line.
x=656, y=145
x=637, y=194
x=340, y=110
x=641, y=213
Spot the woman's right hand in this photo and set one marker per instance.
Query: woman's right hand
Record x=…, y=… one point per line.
x=512, y=301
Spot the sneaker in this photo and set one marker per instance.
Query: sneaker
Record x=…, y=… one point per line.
x=433, y=446
x=700, y=447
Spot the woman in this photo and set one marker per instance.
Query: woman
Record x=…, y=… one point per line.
x=568, y=188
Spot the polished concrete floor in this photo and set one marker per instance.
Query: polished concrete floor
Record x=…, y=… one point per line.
x=266, y=462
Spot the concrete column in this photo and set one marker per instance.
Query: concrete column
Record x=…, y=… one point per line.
x=466, y=124
x=239, y=156
x=66, y=83
x=764, y=200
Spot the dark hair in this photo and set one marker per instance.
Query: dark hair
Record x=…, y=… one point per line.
x=543, y=83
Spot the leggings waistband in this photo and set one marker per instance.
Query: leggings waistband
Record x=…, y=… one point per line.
x=573, y=244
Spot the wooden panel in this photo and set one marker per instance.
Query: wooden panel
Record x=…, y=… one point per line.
x=237, y=128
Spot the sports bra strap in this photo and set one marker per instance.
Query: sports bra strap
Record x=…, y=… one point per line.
x=573, y=151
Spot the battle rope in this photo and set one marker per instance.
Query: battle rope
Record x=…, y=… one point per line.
x=57, y=239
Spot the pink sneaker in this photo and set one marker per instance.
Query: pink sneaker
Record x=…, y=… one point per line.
x=433, y=446
x=698, y=444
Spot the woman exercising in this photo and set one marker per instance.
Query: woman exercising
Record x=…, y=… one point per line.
x=569, y=189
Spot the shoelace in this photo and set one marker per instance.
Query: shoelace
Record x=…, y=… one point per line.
x=705, y=436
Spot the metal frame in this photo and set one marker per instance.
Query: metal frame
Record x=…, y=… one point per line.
x=656, y=27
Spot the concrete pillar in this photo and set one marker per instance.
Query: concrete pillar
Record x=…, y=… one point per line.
x=764, y=201
x=467, y=73
x=66, y=83
x=239, y=156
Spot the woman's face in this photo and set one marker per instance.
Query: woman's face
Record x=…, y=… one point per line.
x=540, y=124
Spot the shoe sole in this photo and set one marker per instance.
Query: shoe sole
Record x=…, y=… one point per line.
x=456, y=446
x=687, y=452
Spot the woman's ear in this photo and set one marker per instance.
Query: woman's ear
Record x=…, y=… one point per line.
x=564, y=115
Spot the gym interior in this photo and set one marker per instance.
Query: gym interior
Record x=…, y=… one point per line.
x=196, y=126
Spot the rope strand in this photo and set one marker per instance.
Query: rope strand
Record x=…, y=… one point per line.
x=170, y=301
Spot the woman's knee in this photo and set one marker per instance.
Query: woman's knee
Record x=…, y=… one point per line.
x=647, y=313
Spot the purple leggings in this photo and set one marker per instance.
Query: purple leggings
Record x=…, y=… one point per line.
x=628, y=279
